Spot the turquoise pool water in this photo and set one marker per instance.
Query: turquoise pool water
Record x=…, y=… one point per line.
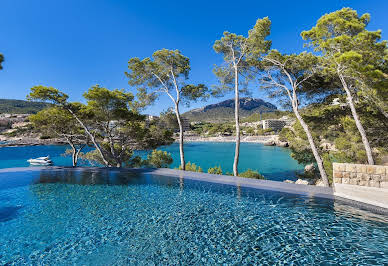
x=274, y=163
x=114, y=218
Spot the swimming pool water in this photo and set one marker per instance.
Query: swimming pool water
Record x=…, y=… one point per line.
x=107, y=217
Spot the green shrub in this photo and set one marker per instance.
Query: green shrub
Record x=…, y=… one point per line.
x=283, y=134
x=251, y=174
x=268, y=131
x=250, y=131
x=192, y=167
x=259, y=131
x=159, y=159
x=216, y=170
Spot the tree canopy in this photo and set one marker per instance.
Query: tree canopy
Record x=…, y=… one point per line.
x=108, y=119
x=166, y=72
x=58, y=123
x=238, y=53
x=359, y=54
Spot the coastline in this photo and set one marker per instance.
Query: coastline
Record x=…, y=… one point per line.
x=270, y=140
x=19, y=142
x=247, y=139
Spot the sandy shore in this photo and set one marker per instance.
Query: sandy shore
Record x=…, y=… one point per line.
x=250, y=139
x=9, y=142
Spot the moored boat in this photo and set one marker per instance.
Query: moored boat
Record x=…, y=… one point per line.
x=41, y=161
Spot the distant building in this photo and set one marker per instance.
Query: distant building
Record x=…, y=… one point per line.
x=336, y=102
x=275, y=124
x=152, y=117
x=288, y=120
x=185, y=124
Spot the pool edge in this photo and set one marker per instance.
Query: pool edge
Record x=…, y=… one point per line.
x=277, y=186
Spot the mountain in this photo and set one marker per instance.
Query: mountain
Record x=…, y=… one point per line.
x=224, y=111
x=20, y=107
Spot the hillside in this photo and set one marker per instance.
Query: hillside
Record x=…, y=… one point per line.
x=224, y=111
x=20, y=106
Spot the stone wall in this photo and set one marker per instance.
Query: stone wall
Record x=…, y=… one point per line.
x=361, y=175
x=362, y=183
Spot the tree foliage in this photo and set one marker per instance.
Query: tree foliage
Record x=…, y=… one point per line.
x=333, y=125
x=192, y=167
x=58, y=123
x=166, y=72
x=110, y=121
x=251, y=174
x=236, y=71
x=216, y=170
x=159, y=159
x=284, y=76
x=238, y=53
x=356, y=56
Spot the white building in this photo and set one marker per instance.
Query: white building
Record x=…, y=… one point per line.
x=185, y=124
x=274, y=124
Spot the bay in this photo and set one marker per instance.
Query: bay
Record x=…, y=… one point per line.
x=275, y=163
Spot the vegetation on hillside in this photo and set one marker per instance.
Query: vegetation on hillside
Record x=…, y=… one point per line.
x=224, y=111
x=268, y=115
x=21, y=107
x=221, y=114
x=228, y=129
x=337, y=135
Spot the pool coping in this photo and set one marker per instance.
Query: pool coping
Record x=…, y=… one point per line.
x=277, y=186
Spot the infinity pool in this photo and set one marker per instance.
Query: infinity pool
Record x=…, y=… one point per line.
x=105, y=217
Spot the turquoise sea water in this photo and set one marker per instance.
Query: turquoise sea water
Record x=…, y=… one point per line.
x=107, y=217
x=274, y=163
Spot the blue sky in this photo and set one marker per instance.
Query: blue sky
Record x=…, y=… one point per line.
x=74, y=44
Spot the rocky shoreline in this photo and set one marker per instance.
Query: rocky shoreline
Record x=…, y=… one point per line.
x=19, y=142
x=270, y=140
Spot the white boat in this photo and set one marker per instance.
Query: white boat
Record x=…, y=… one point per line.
x=41, y=161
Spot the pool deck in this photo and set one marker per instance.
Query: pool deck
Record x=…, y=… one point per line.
x=303, y=190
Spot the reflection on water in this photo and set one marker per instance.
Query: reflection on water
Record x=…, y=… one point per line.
x=109, y=217
x=88, y=177
x=8, y=213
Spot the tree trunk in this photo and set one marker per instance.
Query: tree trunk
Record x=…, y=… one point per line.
x=357, y=120
x=73, y=154
x=91, y=137
x=112, y=149
x=182, y=154
x=236, y=117
x=77, y=155
x=317, y=157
